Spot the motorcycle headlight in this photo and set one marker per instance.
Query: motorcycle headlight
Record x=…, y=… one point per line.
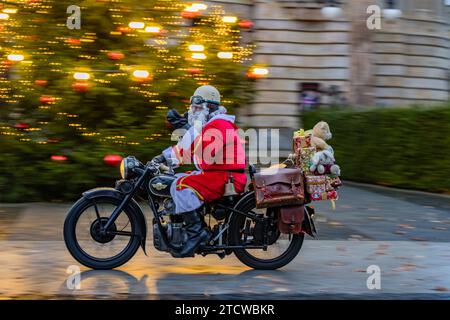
x=122, y=169
x=127, y=167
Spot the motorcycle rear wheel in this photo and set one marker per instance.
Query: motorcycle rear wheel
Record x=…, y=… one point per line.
x=237, y=223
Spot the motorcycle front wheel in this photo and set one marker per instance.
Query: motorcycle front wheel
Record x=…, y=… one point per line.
x=281, y=250
x=88, y=245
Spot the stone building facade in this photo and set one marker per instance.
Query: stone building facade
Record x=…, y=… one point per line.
x=406, y=61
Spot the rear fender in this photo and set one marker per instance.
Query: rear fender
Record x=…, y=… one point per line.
x=135, y=208
x=308, y=226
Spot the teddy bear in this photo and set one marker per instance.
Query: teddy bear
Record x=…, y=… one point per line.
x=319, y=134
x=323, y=162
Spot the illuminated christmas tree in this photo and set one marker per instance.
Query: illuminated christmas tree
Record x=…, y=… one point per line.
x=69, y=97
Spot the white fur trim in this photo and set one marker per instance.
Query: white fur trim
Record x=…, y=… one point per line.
x=226, y=117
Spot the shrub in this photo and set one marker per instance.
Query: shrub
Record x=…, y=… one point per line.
x=404, y=147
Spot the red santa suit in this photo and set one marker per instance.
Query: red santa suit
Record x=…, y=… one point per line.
x=217, y=152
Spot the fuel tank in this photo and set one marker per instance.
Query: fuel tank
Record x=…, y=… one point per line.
x=160, y=185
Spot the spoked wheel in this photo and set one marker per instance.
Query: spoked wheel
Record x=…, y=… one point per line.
x=89, y=245
x=282, y=248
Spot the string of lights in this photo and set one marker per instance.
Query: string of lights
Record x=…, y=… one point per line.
x=56, y=84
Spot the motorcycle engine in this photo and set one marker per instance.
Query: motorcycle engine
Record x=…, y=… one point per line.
x=176, y=234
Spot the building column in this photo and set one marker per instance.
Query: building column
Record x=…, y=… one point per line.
x=361, y=55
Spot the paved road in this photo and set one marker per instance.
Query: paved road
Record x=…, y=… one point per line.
x=405, y=234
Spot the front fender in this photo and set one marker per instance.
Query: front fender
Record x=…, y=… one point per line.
x=135, y=208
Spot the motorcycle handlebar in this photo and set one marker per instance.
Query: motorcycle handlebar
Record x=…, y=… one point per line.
x=159, y=166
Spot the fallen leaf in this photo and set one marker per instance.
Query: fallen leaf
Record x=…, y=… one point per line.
x=405, y=268
x=406, y=226
x=400, y=232
x=418, y=239
x=336, y=264
x=441, y=289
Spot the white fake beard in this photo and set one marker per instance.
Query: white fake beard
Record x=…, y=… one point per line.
x=198, y=117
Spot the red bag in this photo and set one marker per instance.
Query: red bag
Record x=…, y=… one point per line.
x=282, y=187
x=290, y=219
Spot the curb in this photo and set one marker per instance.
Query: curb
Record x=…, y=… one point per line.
x=407, y=191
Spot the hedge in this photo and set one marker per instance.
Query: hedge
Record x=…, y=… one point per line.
x=401, y=147
x=28, y=174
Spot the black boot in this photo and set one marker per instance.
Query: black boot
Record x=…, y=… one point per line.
x=196, y=233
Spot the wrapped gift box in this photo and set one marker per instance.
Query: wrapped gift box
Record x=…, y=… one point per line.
x=301, y=142
x=316, y=184
x=333, y=182
x=329, y=195
x=320, y=188
x=303, y=158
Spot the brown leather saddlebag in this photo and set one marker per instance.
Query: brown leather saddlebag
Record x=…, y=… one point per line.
x=281, y=187
x=291, y=219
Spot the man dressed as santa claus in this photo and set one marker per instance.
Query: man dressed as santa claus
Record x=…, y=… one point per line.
x=212, y=144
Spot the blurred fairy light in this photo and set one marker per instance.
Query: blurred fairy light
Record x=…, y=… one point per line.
x=257, y=72
x=15, y=57
x=260, y=71
x=81, y=76
x=10, y=10
x=199, y=6
x=4, y=16
x=153, y=29
x=225, y=55
x=136, y=25
x=196, y=47
x=191, y=9
x=141, y=74
x=229, y=19
x=198, y=55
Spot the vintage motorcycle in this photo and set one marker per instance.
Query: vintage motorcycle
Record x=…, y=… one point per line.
x=106, y=226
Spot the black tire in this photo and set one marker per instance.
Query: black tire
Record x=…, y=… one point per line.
x=236, y=222
x=82, y=257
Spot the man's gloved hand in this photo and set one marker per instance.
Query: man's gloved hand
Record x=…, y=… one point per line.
x=176, y=120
